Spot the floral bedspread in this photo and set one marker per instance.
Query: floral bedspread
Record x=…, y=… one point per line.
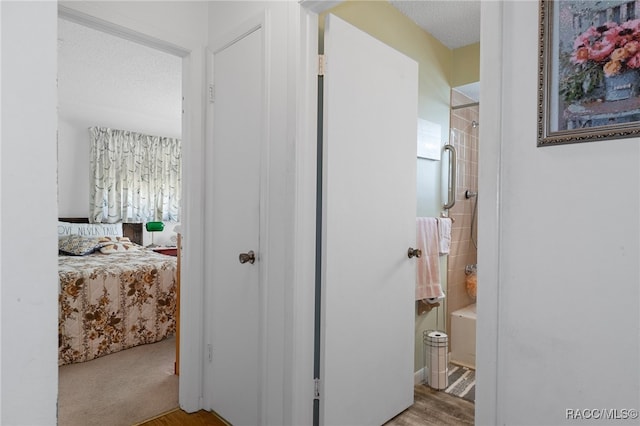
x=111, y=302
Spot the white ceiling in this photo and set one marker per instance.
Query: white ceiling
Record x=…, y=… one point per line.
x=455, y=23
x=87, y=55
x=94, y=66
x=471, y=90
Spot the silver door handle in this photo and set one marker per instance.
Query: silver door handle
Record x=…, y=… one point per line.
x=247, y=257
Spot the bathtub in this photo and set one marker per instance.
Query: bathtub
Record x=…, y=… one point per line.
x=463, y=336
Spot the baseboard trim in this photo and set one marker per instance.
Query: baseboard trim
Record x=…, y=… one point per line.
x=418, y=376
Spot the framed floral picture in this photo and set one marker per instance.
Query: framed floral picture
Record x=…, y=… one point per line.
x=589, y=71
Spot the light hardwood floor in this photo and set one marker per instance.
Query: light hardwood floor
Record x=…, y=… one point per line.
x=431, y=408
x=435, y=408
x=178, y=417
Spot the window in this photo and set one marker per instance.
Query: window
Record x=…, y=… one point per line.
x=135, y=177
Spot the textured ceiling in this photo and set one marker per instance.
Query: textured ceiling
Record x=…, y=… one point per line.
x=455, y=23
x=471, y=90
x=149, y=81
x=95, y=67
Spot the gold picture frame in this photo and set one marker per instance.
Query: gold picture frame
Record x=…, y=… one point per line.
x=589, y=71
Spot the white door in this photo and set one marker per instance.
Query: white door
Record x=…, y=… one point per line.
x=369, y=203
x=234, y=171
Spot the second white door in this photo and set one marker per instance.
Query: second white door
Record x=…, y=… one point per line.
x=234, y=175
x=369, y=209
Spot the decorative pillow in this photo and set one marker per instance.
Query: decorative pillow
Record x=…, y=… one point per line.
x=78, y=245
x=90, y=229
x=117, y=245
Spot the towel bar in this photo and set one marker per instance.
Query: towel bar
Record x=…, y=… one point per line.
x=444, y=216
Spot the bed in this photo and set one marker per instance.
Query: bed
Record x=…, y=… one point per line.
x=111, y=300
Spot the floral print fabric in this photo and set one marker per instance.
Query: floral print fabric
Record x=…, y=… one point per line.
x=111, y=302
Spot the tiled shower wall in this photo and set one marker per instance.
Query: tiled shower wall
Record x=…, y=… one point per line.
x=464, y=137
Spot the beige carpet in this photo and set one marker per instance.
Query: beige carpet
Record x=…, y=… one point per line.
x=119, y=389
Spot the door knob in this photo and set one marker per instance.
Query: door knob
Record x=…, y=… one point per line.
x=247, y=257
x=414, y=252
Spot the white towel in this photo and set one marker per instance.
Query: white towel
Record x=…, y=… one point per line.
x=428, y=265
x=444, y=231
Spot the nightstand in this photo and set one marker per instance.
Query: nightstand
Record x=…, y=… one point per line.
x=173, y=251
x=169, y=251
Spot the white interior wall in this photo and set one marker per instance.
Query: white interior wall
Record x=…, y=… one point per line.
x=108, y=81
x=28, y=279
x=563, y=262
x=567, y=286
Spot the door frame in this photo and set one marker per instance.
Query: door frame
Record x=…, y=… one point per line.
x=299, y=398
x=191, y=321
x=489, y=351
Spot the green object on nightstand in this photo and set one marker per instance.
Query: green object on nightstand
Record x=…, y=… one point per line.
x=154, y=226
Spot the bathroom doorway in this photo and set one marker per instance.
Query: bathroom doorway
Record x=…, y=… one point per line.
x=434, y=89
x=464, y=136
x=453, y=404
x=462, y=263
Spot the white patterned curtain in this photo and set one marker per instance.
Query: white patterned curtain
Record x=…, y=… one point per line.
x=135, y=177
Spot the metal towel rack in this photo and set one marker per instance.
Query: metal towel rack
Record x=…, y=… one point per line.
x=451, y=189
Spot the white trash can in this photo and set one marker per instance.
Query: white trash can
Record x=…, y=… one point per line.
x=436, y=347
